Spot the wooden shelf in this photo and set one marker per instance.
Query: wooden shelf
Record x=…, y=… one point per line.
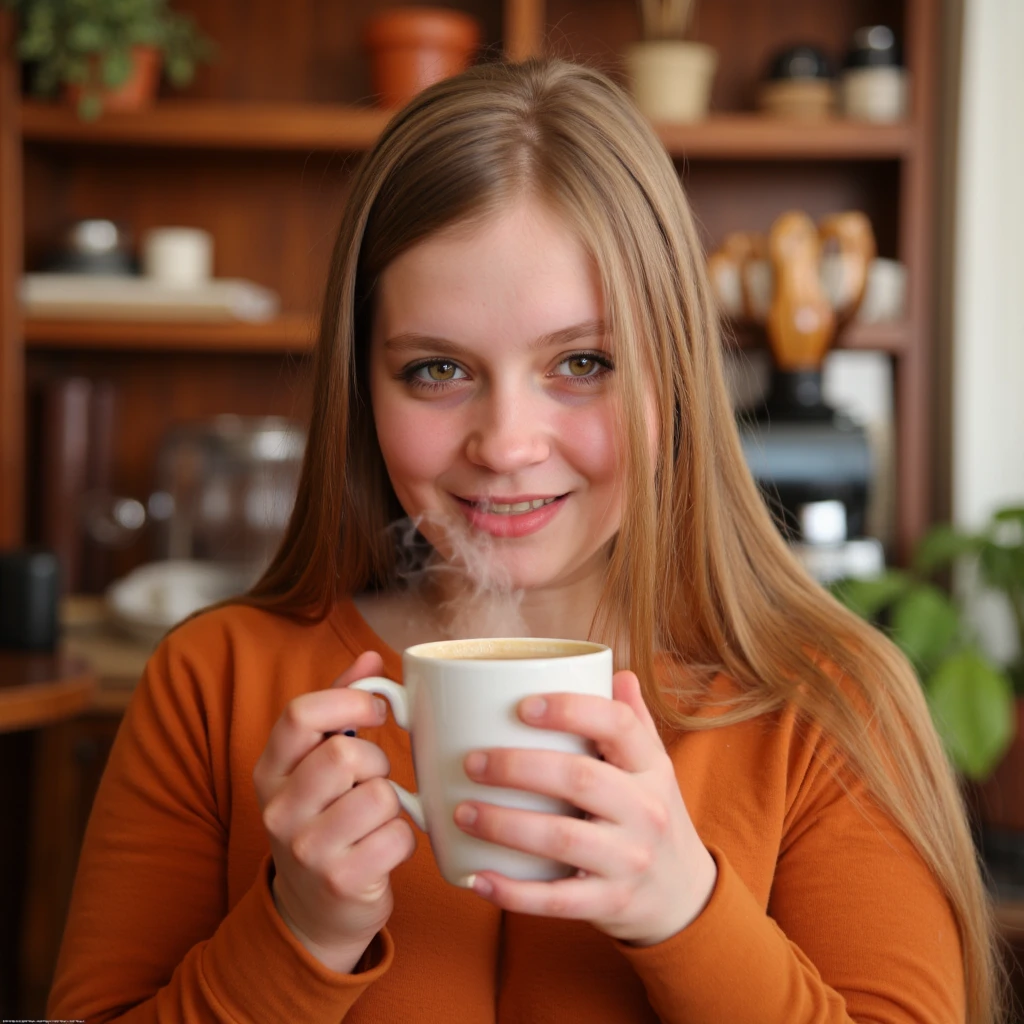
x=295, y=333
x=285, y=334
x=305, y=127
x=893, y=338
x=38, y=689
x=757, y=137
x=209, y=125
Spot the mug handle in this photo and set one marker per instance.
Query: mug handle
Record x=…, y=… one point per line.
x=398, y=697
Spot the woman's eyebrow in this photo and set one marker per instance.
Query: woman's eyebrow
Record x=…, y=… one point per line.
x=413, y=340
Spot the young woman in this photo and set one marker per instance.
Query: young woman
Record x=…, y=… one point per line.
x=518, y=337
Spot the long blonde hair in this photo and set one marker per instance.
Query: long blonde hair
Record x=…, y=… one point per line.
x=698, y=571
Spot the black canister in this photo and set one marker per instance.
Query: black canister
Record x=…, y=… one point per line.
x=29, y=600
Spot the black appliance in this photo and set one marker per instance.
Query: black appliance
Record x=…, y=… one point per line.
x=802, y=452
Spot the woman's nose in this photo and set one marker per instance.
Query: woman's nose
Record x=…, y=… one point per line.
x=509, y=434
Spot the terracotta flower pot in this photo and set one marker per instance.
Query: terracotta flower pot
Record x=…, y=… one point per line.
x=137, y=92
x=413, y=47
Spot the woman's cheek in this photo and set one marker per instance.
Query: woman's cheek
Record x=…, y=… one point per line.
x=587, y=440
x=417, y=444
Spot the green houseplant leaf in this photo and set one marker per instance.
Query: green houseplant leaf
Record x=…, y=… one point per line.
x=1009, y=514
x=972, y=707
x=867, y=597
x=1002, y=566
x=117, y=67
x=970, y=697
x=943, y=545
x=925, y=624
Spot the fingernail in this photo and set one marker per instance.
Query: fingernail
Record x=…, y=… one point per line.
x=476, y=763
x=465, y=815
x=479, y=885
x=533, y=707
x=381, y=707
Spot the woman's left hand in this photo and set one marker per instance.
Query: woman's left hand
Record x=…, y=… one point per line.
x=643, y=874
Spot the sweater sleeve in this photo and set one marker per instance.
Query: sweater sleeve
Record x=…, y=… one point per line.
x=149, y=935
x=857, y=929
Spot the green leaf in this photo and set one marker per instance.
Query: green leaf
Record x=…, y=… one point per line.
x=90, y=106
x=925, y=623
x=180, y=70
x=117, y=67
x=1006, y=515
x=86, y=37
x=972, y=706
x=942, y=545
x=147, y=33
x=74, y=70
x=867, y=597
x=1001, y=566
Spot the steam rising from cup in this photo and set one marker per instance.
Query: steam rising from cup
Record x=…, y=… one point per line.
x=457, y=572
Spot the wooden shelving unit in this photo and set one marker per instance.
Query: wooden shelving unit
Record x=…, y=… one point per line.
x=250, y=151
x=258, y=150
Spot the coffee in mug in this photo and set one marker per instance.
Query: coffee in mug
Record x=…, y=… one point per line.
x=463, y=695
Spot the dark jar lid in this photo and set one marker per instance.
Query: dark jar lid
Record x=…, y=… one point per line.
x=796, y=62
x=873, y=46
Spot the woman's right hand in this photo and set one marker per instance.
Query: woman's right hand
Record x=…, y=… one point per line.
x=332, y=819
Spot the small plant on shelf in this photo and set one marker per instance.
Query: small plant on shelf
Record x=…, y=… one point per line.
x=94, y=47
x=971, y=696
x=666, y=19
x=671, y=76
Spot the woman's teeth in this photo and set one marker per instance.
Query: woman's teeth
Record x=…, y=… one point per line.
x=518, y=508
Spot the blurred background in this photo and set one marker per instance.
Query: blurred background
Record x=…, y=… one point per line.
x=172, y=175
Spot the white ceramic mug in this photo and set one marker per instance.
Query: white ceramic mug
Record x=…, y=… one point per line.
x=179, y=257
x=463, y=695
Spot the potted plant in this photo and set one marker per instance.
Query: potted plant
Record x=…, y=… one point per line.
x=671, y=76
x=106, y=54
x=977, y=705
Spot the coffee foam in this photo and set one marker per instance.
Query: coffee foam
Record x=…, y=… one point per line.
x=503, y=649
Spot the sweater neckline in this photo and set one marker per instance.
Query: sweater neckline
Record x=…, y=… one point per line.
x=349, y=623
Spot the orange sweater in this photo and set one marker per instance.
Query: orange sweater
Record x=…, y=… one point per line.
x=822, y=910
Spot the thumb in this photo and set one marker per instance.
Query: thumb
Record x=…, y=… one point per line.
x=369, y=663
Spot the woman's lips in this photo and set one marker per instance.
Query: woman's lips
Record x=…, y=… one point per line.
x=510, y=523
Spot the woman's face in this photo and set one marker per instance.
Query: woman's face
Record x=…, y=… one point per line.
x=492, y=383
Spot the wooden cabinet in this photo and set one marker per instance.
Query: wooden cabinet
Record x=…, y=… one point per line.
x=69, y=761
x=259, y=150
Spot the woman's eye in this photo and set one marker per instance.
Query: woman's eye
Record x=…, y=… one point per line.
x=583, y=365
x=438, y=372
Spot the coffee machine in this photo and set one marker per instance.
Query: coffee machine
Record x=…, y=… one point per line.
x=813, y=464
